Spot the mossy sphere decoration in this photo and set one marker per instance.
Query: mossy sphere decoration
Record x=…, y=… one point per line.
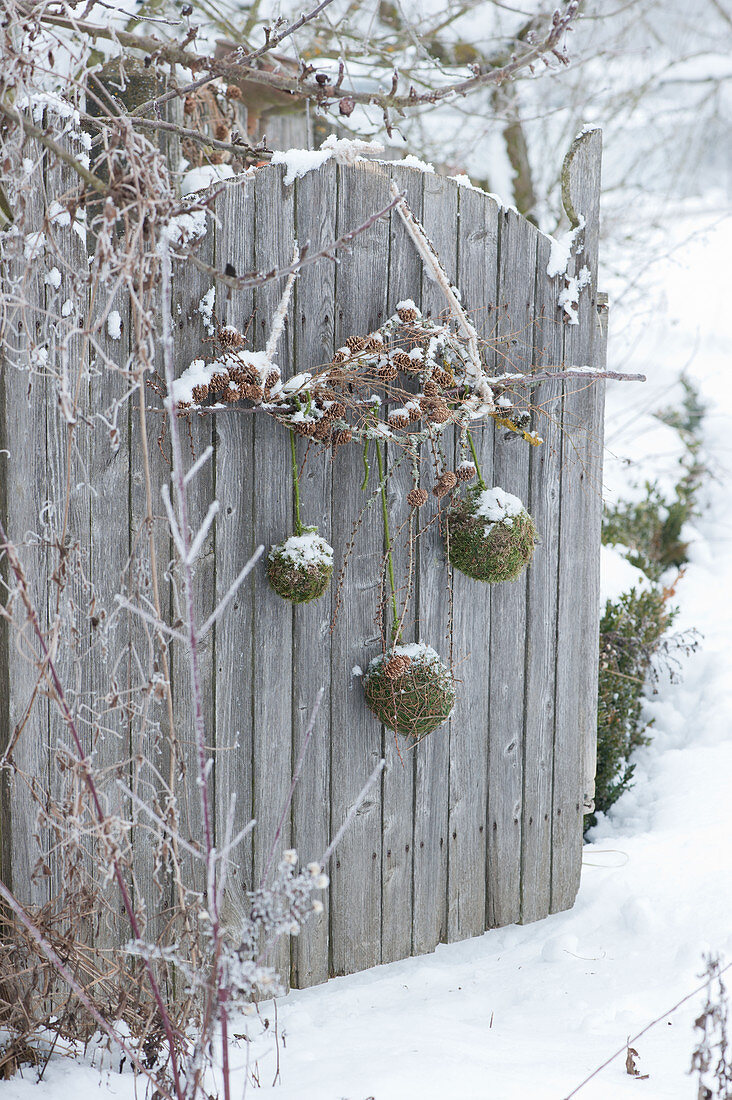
x=492, y=536
x=299, y=569
x=410, y=690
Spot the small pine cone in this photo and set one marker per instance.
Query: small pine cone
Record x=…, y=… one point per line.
x=442, y=377
x=272, y=378
x=189, y=105
x=200, y=393
x=466, y=471
x=387, y=372
x=407, y=314
x=233, y=92
x=373, y=342
x=398, y=420
x=221, y=131
x=218, y=383
x=396, y=666
x=449, y=479
x=401, y=360
x=335, y=411
x=183, y=405
x=337, y=376
x=306, y=428
x=231, y=394
x=431, y=389
x=239, y=377
x=230, y=338
x=415, y=413
x=341, y=436
x=323, y=394
x=215, y=158
x=440, y=412
x=417, y=498
x=341, y=356
x=322, y=431
x=252, y=393
x=356, y=343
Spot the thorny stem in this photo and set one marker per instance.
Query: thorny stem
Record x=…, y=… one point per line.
x=475, y=460
x=295, y=483
x=83, y=760
x=395, y=628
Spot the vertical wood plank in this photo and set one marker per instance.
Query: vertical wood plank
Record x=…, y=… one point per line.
x=431, y=755
x=23, y=492
x=236, y=540
x=579, y=540
x=273, y=522
x=508, y=600
x=469, y=730
x=193, y=340
x=405, y=280
x=541, y=611
x=355, y=733
x=313, y=340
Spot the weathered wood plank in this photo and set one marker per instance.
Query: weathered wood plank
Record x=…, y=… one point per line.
x=508, y=600
x=313, y=336
x=236, y=540
x=355, y=921
x=23, y=493
x=405, y=281
x=431, y=755
x=192, y=337
x=541, y=610
x=579, y=540
x=273, y=522
x=469, y=729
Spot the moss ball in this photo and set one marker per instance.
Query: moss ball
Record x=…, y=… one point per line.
x=411, y=697
x=299, y=569
x=492, y=536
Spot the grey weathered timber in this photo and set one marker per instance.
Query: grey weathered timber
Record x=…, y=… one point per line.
x=404, y=281
x=513, y=334
x=431, y=755
x=235, y=543
x=579, y=539
x=22, y=491
x=541, y=604
x=313, y=345
x=479, y=824
x=356, y=739
x=478, y=231
x=274, y=239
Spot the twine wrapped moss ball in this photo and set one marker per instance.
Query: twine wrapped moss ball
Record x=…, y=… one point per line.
x=410, y=690
x=299, y=569
x=492, y=536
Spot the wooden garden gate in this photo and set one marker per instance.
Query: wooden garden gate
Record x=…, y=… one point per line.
x=478, y=826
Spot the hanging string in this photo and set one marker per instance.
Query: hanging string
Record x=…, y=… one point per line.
x=296, y=484
x=395, y=628
x=477, y=464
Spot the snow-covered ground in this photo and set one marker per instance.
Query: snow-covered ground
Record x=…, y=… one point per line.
x=530, y=1011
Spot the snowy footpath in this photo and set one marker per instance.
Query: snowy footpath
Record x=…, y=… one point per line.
x=528, y=1012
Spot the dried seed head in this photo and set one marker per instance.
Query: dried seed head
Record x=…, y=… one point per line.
x=396, y=666
x=431, y=389
x=232, y=92
x=221, y=131
x=442, y=377
x=252, y=392
x=440, y=411
x=466, y=471
x=341, y=436
x=387, y=372
x=417, y=498
x=229, y=337
x=215, y=158
x=346, y=105
x=189, y=105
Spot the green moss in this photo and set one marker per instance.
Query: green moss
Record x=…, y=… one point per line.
x=415, y=703
x=485, y=551
x=297, y=575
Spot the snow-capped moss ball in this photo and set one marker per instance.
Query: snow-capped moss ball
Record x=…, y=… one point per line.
x=410, y=690
x=300, y=568
x=492, y=536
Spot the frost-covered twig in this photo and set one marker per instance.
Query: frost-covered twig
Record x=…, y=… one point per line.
x=278, y=318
